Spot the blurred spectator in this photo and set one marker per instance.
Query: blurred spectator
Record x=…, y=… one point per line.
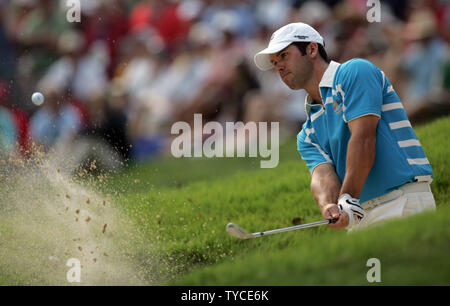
x=146, y=125
x=424, y=61
x=7, y=131
x=103, y=140
x=36, y=25
x=105, y=22
x=164, y=17
x=272, y=14
x=110, y=121
x=19, y=117
x=144, y=110
x=90, y=73
x=7, y=50
x=57, y=122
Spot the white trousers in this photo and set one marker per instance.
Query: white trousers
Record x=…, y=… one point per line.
x=410, y=199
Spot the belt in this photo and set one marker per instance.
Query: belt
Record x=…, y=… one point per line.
x=396, y=193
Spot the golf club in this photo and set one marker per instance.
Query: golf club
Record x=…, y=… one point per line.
x=237, y=231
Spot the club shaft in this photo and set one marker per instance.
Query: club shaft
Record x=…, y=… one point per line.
x=291, y=228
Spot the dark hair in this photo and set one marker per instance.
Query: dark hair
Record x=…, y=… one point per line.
x=302, y=47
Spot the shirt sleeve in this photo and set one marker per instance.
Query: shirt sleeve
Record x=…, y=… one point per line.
x=310, y=151
x=360, y=85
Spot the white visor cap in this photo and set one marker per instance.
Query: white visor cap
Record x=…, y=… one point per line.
x=283, y=37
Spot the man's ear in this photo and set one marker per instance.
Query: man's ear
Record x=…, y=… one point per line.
x=312, y=49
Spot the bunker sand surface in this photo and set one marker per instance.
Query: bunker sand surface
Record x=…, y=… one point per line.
x=47, y=218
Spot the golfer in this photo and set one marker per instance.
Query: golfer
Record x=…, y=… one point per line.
x=366, y=162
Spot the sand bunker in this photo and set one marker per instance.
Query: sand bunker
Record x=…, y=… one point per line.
x=48, y=218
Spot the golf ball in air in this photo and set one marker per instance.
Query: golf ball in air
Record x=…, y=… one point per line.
x=37, y=98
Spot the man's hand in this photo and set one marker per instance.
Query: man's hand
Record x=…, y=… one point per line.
x=350, y=206
x=333, y=211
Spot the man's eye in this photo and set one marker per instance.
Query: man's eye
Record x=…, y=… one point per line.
x=283, y=55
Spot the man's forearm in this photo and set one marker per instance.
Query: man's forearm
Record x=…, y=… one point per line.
x=325, y=185
x=359, y=162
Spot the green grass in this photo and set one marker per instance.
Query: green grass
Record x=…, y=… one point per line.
x=411, y=252
x=179, y=209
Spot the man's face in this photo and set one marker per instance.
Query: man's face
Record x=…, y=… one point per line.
x=295, y=69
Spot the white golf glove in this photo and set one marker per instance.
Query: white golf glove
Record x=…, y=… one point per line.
x=351, y=206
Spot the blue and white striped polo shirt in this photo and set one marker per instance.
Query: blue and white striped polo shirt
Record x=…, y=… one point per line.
x=354, y=89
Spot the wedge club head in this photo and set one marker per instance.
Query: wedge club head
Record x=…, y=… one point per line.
x=235, y=230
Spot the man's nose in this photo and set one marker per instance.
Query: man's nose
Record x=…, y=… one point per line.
x=279, y=67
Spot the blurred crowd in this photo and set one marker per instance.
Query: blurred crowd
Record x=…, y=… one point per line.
x=122, y=76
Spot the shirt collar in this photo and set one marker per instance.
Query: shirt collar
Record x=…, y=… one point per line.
x=326, y=81
x=328, y=75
